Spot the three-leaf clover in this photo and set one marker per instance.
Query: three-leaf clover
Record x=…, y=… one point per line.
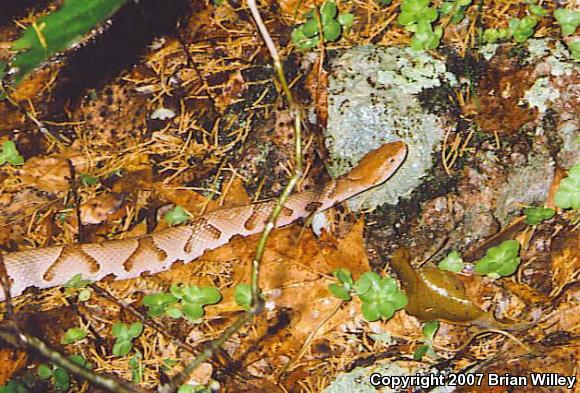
x=158, y=302
x=502, y=260
x=568, y=20
x=416, y=16
x=193, y=299
x=380, y=296
x=177, y=215
x=125, y=334
x=522, y=29
x=344, y=287
x=73, y=335
x=307, y=35
x=568, y=194
x=184, y=301
x=452, y=262
x=535, y=215
x=9, y=154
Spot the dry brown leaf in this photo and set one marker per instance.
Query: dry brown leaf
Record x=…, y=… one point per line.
x=11, y=361
x=566, y=263
x=138, y=179
x=50, y=174
x=98, y=209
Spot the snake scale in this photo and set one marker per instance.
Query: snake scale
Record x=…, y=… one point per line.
x=155, y=252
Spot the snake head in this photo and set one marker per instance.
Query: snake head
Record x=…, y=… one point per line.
x=380, y=164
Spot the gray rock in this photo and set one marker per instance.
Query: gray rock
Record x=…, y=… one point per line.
x=373, y=100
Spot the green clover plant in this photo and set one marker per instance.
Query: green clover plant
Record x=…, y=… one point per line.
x=177, y=215
x=535, y=215
x=243, y=295
x=491, y=36
x=522, y=29
x=307, y=35
x=22, y=384
x=88, y=180
x=456, y=9
x=78, y=285
x=568, y=194
x=192, y=389
x=124, y=335
x=568, y=20
x=184, y=301
x=502, y=260
x=416, y=16
x=344, y=287
x=537, y=10
x=574, y=48
x=452, y=262
x=429, y=331
x=73, y=335
x=380, y=297
x=58, y=376
x=10, y=154
x=136, y=367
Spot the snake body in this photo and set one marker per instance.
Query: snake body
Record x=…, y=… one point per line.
x=155, y=252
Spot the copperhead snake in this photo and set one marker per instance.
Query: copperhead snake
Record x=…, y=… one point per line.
x=155, y=252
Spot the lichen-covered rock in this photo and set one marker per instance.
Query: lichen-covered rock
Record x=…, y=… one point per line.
x=373, y=99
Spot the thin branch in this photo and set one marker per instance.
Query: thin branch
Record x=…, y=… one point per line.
x=257, y=302
x=19, y=339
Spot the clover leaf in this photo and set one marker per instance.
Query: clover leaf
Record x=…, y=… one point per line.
x=502, y=260
x=416, y=16
x=125, y=334
x=57, y=375
x=491, y=36
x=429, y=331
x=243, y=295
x=522, y=29
x=9, y=154
x=177, y=215
x=158, y=302
x=574, y=48
x=568, y=194
x=88, y=180
x=73, y=335
x=425, y=37
x=307, y=35
x=452, y=262
x=380, y=296
x=184, y=300
x=535, y=215
x=537, y=10
x=415, y=11
x=568, y=20
x=456, y=9
x=80, y=285
x=342, y=290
